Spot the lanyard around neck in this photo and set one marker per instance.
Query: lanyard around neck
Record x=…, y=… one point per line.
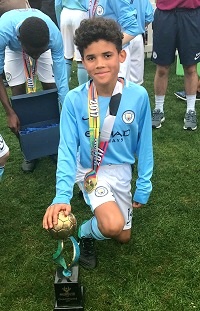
x=30, y=69
x=99, y=142
x=92, y=7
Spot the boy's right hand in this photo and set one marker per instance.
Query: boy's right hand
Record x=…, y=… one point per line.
x=51, y=216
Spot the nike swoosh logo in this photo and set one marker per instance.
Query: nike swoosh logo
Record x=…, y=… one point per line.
x=84, y=119
x=197, y=56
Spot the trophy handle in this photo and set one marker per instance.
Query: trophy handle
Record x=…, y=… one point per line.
x=59, y=259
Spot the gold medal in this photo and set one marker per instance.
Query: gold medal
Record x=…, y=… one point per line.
x=90, y=181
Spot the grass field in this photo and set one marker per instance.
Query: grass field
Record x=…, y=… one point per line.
x=159, y=270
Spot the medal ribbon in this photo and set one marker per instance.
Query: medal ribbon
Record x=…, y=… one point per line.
x=92, y=7
x=30, y=69
x=59, y=259
x=99, y=144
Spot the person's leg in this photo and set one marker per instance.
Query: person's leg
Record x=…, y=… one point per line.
x=4, y=154
x=160, y=88
x=14, y=72
x=107, y=222
x=48, y=86
x=18, y=89
x=69, y=67
x=124, y=69
x=191, y=81
x=111, y=203
x=163, y=55
x=188, y=48
x=45, y=71
x=137, y=60
x=82, y=74
x=66, y=28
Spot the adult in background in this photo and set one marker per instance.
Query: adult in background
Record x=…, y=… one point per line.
x=176, y=26
x=31, y=32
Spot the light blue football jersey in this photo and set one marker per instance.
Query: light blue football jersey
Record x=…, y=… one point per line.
x=145, y=13
x=121, y=12
x=9, y=31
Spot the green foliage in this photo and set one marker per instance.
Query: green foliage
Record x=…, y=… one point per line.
x=157, y=271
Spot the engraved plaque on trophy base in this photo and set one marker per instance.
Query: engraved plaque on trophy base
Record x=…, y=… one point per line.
x=68, y=291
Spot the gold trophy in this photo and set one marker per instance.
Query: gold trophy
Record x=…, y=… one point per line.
x=68, y=291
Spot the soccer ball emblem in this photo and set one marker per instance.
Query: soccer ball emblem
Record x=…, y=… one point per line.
x=65, y=227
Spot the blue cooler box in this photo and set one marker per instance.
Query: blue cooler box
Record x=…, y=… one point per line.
x=39, y=123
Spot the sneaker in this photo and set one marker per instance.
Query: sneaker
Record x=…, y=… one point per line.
x=28, y=166
x=88, y=259
x=190, y=120
x=182, y=95
x=157, y=118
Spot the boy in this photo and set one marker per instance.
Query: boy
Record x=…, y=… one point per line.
x=34, y=33
x=103, y=169
x=4, y=154
x=126, y=16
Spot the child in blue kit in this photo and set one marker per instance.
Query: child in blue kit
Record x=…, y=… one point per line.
x=107, y=119
x=31, y=45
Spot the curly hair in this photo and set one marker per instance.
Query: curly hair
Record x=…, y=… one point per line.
x=95, y=29
x=34, y=32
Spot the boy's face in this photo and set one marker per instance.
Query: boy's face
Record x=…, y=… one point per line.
x=102, y=60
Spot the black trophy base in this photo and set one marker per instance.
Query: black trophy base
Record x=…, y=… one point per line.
x=70, y=308
x=68, y=291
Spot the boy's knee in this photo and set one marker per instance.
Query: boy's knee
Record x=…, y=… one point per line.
x=111, y=229
x=124, y=237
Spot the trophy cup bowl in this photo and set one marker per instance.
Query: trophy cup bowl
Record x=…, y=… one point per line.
x=65, y=227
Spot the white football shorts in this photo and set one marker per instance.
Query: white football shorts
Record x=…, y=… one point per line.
x=3, y=147
x=114, y=184
x=14, y=67
x=69, y=22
